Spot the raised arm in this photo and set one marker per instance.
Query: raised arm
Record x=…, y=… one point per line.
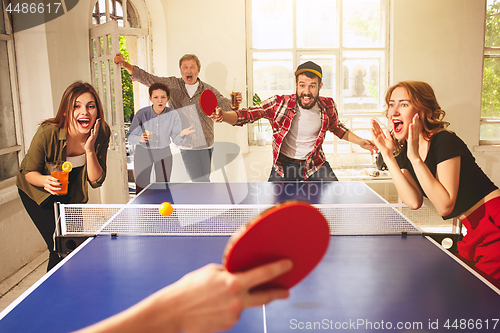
x=119, y=59
x=140, y=75
x=441, y=190
x=407, y=188
x=94, y=168
x=241, y=117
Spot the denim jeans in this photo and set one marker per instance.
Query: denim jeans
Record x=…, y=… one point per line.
x=294, y=171
x=145, y=160
x=198, y=163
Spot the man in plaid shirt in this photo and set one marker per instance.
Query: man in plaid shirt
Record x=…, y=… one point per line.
x=299, y=124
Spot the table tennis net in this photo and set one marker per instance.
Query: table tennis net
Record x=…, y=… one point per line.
x=88, y=219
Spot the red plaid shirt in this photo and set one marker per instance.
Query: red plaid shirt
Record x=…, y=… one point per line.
x=280, y=110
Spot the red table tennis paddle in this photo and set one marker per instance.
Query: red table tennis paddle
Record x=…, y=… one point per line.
x=208, y=102
x=294, y=230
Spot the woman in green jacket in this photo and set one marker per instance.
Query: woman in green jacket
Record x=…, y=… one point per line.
x=79, y=134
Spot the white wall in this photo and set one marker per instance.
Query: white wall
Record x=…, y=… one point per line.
x=446, y=50
x=441, y=42
x=35, y=94
x=215, y=32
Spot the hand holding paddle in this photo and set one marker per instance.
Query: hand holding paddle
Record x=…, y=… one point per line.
x=208, y=103
x=217, y=116
x=208, y=299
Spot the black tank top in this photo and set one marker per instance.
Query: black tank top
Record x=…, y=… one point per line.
x=474, y=184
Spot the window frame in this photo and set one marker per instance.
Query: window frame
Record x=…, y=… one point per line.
x=139, y=29
x=111, y=14
x=8, y=36
x=347, y=116
x=488, y=53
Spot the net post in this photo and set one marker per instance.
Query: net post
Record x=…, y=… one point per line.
x=57, y=216
x=457, y=225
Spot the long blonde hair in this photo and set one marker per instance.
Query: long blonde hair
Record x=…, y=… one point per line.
x=423, y=99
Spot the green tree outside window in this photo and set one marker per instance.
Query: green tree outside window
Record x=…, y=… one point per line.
x=127, y=89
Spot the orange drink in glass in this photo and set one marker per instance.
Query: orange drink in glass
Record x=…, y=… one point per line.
x=60, y=171
x=63, y=179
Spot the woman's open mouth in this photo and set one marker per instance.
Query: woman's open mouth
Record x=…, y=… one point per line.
x=398, y=125
x=84, y=122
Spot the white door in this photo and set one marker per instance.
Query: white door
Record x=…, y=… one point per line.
x=106, y=78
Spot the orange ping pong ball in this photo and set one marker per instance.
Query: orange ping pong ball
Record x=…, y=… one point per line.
x=166, y=209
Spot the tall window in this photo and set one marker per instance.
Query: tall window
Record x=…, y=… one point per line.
x=347, y=38
x=115, y=10
x=490, y=111
x=132, y=42
x=10, y=134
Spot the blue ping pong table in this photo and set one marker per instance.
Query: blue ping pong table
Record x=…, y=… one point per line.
x=403, y=282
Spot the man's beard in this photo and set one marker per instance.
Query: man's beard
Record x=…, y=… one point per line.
x=314, y=101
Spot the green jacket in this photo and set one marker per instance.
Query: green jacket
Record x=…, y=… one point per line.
x=49, y=145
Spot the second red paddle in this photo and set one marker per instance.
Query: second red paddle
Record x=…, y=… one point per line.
x=208, y=102
x=294, y=230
